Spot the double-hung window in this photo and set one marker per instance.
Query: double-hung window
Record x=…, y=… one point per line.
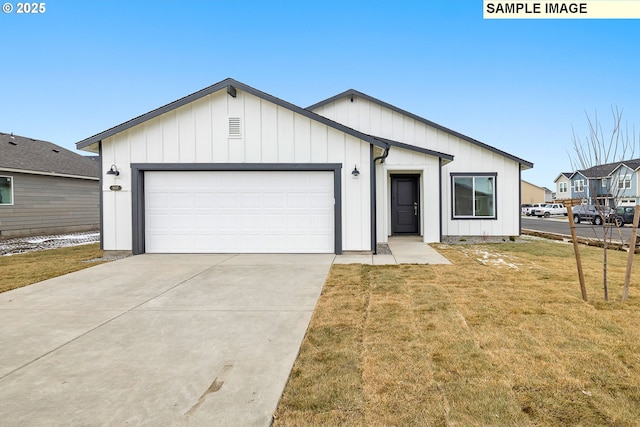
x=474, y=195
x=563, y=187
x=578, y=186
x=6, y=190
x=624, y=182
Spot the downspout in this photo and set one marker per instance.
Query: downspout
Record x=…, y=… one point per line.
x=374, y=223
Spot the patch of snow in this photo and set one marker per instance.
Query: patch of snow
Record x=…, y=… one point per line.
x=491, y=258
x=20, y=245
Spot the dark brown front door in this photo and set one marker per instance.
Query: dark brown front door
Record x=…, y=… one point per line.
x=405, y=204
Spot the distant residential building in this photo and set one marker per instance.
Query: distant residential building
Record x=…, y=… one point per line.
x=45, y=188
x=563, y=186
x=549, y=196
x=531, y=193
x=611, y=184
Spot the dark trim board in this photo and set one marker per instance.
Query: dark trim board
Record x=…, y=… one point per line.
x=137, y=189
x=101, y=197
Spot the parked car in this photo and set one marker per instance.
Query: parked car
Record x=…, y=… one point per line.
x=528, y=210
x=622, y=215
x=589, y=213
x=524, y=208
x=550, y=209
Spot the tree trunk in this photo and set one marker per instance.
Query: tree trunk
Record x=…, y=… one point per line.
x=576, y=250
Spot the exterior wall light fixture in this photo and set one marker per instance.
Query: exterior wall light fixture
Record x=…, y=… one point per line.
x=355, y=171
x=113, y=171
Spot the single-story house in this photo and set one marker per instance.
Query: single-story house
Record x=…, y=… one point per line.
x=231, y=169
x=46, y=189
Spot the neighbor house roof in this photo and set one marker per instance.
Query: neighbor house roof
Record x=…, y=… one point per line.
x=352, y=92
x=601, y=171
x=28, y=155
x=631, y=164
x=567, y=175
x=230, y=85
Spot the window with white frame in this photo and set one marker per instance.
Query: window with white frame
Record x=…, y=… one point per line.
x=624, y=182
x=563, y=187
x=6, y=190
x=474, y=196
x=578, y=186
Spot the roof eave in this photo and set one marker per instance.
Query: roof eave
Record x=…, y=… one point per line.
x=446, y=157
x=45, y=173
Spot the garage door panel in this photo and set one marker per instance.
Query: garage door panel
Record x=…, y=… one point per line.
x=239, y=212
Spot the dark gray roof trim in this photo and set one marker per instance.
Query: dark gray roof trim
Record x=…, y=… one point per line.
x=416, y=149
x=352, y=92
x=19, y=153
x=225, y=84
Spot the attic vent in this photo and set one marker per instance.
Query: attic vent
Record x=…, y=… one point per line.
x=12, y=143
x=55, y=151
x=234, y=127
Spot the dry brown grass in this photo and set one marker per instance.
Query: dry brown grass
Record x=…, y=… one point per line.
x=24, y=269
x=499, y=338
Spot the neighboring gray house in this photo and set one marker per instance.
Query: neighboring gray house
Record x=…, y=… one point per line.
x=45, y=188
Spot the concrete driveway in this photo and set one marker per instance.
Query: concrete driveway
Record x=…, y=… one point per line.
x=157, y=340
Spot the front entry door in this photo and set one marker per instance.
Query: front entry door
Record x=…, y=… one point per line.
x=405, y=204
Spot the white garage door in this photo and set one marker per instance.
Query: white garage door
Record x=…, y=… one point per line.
x=239, y=212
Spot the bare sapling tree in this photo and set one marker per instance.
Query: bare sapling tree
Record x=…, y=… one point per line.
x=599, y=158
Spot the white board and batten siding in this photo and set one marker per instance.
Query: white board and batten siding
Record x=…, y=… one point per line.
x=372, y=118
x=198, y=132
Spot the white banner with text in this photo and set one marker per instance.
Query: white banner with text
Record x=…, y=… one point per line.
x=586, y=9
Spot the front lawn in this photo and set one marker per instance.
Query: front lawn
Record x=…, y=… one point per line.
x=499, y=338
x=31, y=267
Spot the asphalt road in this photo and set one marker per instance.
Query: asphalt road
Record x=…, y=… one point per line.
x=560, y=225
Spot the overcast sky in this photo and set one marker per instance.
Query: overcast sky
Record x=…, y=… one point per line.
x=518, y=85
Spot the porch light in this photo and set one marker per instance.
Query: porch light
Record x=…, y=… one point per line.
x=113, y=171
x=355, y=171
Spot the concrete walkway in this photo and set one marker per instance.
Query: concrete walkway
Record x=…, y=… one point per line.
x=157, y=340
x=404, y=249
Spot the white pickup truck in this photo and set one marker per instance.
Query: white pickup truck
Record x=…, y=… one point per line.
x=550, y=209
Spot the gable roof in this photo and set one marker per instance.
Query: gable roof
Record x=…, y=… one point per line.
x=601, y=171
x=563, y=174
x=28, y=155
x=230, y=85
x=352, y=92
x=634, y=165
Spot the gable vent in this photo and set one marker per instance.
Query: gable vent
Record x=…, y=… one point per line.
x=234, y=127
